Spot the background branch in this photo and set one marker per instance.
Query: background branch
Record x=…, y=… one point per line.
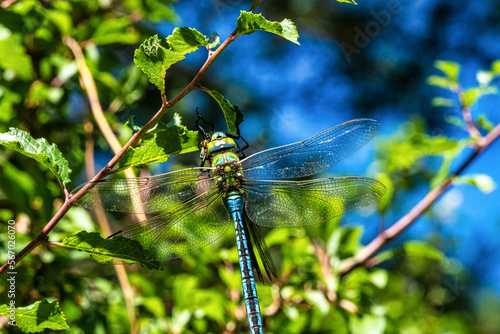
x=402, y=224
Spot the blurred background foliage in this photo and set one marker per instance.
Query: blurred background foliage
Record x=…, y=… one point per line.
x=446, y=282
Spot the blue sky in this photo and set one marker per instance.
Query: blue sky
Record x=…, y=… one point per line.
x=298, y=91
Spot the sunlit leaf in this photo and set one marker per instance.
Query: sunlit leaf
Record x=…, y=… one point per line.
x=403, y=154
x=422, y=249
x=38, y=149
x=116, y=30
x=61, y=19
x=443, y=82
x=413, y=248
x=318, y=299
x=348, y=1
x=113, y=250
x=184, y=40
x=442, y=102
x=485, y=123
x=470, y=96
x=449, y=68
x=38, y=317
x=13, y=57
x=249, y=23
x=368, y=323
x=232, y=114
x=154, y=58
x=385, y=201
x=483, y=182
x=379, y=278
x=495, y=68
x=160, y=143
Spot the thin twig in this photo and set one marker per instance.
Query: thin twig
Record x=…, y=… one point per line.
x=89, y=86
x=467, y=115
x=121, y=273
x=402, y=224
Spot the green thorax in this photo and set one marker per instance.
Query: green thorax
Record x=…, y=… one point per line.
x=226, y=163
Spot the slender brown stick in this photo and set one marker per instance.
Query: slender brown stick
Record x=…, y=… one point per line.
x=88, y=84
x=402, y=224
x=121, y=273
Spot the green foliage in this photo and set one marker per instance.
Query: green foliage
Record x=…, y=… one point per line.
x=154, y=58
x=13, y=55
x=232, y=113
x=404, y=150
x=184, y=40
x=111, y=250
x=250, y=22
x=160, y=143
x=37, y=317
x=40, y=150
x=450, y=81
x=416, y=290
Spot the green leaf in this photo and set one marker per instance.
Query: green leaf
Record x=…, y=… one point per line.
x=116, y=30
x=213, y=40
x=422, y=249
x=160, y=143
x=318, y=299
x=248, y=23
x=442, y=102
x=154, y=58
x=454, y=120
x=118, y=249
x=449, y=68
x=485, y=123
x=471, y=95
x=379, y=278
x=232, y=113
x=385, y=201
x=184, y=40
x=39, y=149
x=37, y=317
x=495, y=67
x=61, y=19
x=404, y=153
x=483, y=182
x=413, y=248
x=435, y=80
x=13, y=57
x=368, y=323
x=348, y=1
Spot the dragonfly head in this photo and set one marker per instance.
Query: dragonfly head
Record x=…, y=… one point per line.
x=219, y=143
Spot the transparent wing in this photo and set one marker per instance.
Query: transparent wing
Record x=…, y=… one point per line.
x=191, y=226
x=147, y=194
x=312, y=155
x=305, y=203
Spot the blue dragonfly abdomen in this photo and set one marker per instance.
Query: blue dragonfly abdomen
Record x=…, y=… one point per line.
x=235, y=204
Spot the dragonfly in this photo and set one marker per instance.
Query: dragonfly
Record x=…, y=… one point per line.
x=196, y=206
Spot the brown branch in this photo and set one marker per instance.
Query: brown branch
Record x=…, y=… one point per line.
x=69, y=200
x=7, y=3
x=88, y=84
x=402, y=224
